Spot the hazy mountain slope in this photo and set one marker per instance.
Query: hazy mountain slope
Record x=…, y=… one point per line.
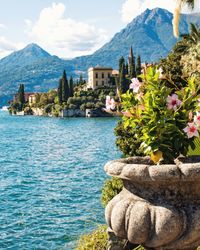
x=150, y=35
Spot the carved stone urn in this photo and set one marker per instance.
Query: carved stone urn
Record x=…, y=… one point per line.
x=159, y=206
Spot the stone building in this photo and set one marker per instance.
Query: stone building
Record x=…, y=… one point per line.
x=99, y=77
x=32, y=99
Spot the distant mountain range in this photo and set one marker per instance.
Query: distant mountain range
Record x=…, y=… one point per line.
x=150, y=35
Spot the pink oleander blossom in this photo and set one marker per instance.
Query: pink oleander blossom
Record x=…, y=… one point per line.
x=135, y=85
x=110, y=103
x=197, y=118
x=142, y=107
x=127, y=113
x=139, y=96
x=191, y=130
x=173, y=102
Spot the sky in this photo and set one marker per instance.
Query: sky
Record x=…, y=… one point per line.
x=69, y=28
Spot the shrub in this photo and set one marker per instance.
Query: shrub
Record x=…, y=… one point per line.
x=97, y=240
x=127, y=140
x=83, y=106
x=72, y=106
x=28, y=111
x=89, y=105
x=48, y=108
x=163, y=116
x=110, y=189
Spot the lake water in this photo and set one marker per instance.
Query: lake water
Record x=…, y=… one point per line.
x=50, y=179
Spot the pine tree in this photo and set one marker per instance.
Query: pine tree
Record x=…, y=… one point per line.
x=71, y=87
x=139, y=66
x=81, y=79
x=126, y=68
x=21, y=97
x=123, y=82
x=60, y=91
x=65, y=87
x=131, y=64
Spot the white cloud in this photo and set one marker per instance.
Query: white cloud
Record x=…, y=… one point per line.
x=62, y=35
x=2, y=26
x=7, y=47
x=132, y=8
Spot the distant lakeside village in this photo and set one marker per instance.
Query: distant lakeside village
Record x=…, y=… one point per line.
x=83, y=98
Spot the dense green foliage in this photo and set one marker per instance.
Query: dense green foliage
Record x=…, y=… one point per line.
x=21, y=97
x=110, y=189
x=158, y=125
x=97, y=240
x=131, y=62
x=127, y=140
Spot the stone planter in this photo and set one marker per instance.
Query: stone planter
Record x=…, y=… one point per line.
x=159, y=206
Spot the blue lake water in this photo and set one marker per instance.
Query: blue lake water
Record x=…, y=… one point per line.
x=51, y=174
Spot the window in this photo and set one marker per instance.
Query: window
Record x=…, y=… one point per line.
x=102, y=83
x=102, y=75
x=96, y=83
x=96, y=75
x=108, y=75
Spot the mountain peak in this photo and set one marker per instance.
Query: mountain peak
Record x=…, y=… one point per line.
x=35, y=50
x=156, y=15
x=30, y=54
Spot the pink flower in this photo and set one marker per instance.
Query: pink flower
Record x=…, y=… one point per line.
x=173, y=102
x=190, y=116
x=191, y=130
x=110, y=103
x=197, y=118
x=142, y=107
x=139, y=96
x=127, y=113
x=135, y=85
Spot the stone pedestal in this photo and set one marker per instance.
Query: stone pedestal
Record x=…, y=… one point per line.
x=159, y=206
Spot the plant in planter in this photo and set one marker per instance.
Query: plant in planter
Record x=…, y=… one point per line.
x=159, y=206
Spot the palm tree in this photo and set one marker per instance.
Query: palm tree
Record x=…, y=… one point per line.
x=180, y=4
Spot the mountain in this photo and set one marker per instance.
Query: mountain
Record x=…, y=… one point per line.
x=150, y=35
x=30, y=54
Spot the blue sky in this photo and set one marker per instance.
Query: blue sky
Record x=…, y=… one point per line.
x=68, y=28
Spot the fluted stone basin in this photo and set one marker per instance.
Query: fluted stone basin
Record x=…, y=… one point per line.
x=159, y=206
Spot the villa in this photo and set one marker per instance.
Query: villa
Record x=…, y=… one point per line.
x=100, y=77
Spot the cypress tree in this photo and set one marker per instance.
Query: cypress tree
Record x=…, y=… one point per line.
x=21, y=97
x=131, y=64
x=60, y=91
x=123, y=82
x=71, y=86
x=126, y=68
x=139, y=66
x=65, y=87
x=81, y=79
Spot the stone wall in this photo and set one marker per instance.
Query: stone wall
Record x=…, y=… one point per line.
x=72, y=113
x=38, y=111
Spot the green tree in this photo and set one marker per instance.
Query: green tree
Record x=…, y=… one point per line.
x=21, y=96
x=65, y=87
x=71, y=87
x=81, y=79
x=126, y=68
x=60, y=91
x=138, y=66
x=131, y=64
x=123, y=82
